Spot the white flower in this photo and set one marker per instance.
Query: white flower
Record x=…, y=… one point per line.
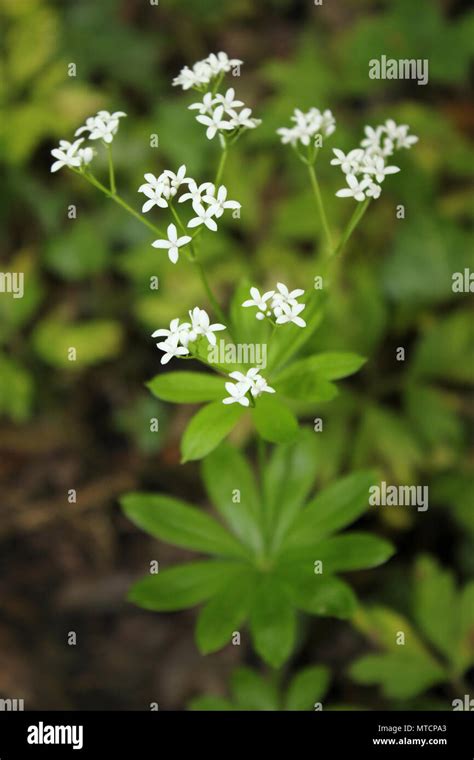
x=176, y=329
x=187, y=78
x=328, y=123
x=200, y=325
x=372, y=138
x=166, y=187
x=356, y=189
x=288, y=136
x=155, y=197
x=399, y=134
x=256, y=383
x=195, y=193
x=290, y=312
x=86, y=155
x=173, y=244
x=285, y=296
x=203, y=71
x=178, y=179
x=243, y=118
x=214, y=122
x=373, y=190
x=151, y=182
x=228, y=100
x=171, y=349
x=376, y=165
x=220, y=63
x=349, y=163
x=102, y=126
x=260, y=301
x=204, y=216
x=307, y=125
x=87, y=127
x=67, y=155
x=104, y=130
x=237, y=394
x=206, y=105
x=218, y=203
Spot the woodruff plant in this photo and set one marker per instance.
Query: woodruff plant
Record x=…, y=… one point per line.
x=279, y=549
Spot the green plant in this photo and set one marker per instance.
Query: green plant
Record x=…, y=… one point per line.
x=437, y=650
x=279, y=552
x=250, y=690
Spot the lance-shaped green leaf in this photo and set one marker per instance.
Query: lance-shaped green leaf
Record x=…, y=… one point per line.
x=226, y=611
x=465, y=655
x=273, y=622
x=382, y=626
x=183, y=585
x=351, y=551
x=301, y=386
x=251, y=691
x=309, y=379
x=187, y=387
x=231, y=486
x=334, y=365
x=334, y=508
x=307, y=687
x=289, y=477
x=401, y=675
x=436, y=605
x=321, y=594
x=179, y=524
x=208, y=428
x=273, y=420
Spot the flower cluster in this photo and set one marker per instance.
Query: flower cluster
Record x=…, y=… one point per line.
x=252, y=381
x=103, y=126
x=180, y=334
x=203, y=72
x=218, y=112
x=207, y=201
x=280, y=304
x=307, y=126
x=71, y=155
x=365, y=168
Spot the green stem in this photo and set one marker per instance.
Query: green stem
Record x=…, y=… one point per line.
x=177, y=218
x=220, y=168
x=113, y=188
x=262, y=466
x=210, y=294
x=320, y=205
x=359, y=212
x=217, y=83
x=95, y=182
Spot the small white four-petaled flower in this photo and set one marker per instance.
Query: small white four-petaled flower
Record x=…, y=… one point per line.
x=255, y=381
x=173, y=243
x=171, y=348
x=214, y=122
x=260, y=301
